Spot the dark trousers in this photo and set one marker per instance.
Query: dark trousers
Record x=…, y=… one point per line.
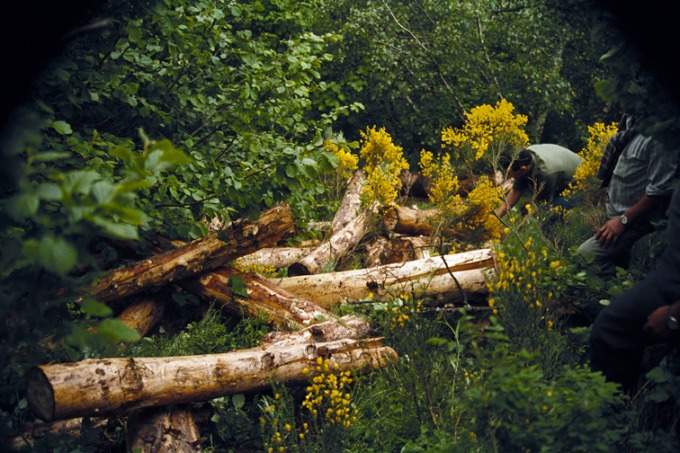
x=617, y=338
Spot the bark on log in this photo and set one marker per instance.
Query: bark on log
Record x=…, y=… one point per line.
x=350, y=206
x=163, y=431
x=202, y=255
x=401, y=219
x=117, y=386
x=428, y=278
x=143, y=314
x=277, y=257
x=283, y=309
x=350, y=326
x=334, y=248
x=71, y=427
x=396, y=250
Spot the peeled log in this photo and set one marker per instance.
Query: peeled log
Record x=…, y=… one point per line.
x=143, y=314
x=163, y=431
x=427, y=278
x=350, y=326
x=276, y=257
x=202, y=255
x=401, y=219
x=350, y=206
x=334, y=248
x=282, y=308
x=117, y=386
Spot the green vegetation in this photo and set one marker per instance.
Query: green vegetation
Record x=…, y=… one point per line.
x=184, y=111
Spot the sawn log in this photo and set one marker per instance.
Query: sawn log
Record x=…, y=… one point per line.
x=257, y=296
x=428, y=278
x=117, y=386
x=202, y=255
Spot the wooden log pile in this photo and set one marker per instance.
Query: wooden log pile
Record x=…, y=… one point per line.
x=155, y=394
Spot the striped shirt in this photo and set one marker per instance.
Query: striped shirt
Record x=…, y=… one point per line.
x=644, y=167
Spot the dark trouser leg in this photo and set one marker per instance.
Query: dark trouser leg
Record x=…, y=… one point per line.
x=617, y=338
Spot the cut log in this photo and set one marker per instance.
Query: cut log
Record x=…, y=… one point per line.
x=143, y=314
x=71, y=427
x=282, y=309
x=396, y=250
x=202, y=255
x=163, y=431
x=350, y=326
x=334, y=248
x=401, y=219
x=429, y=278
x=118, y=386
x=350, y=206
x=276, y=257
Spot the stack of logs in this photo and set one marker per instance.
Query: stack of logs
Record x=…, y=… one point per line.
x=298, y=307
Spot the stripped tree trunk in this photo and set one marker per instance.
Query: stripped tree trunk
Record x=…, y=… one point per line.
x=350, y=206
x=117, y=386
x=276, y=257
x=401, y=219
x=430, y=278
x=252, y=295
x=202, y=255
x=350, y=326
x=163, y=431
x=143, y=314
x=336, y=247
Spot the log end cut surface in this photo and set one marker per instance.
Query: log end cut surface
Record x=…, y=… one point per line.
x=40, y=394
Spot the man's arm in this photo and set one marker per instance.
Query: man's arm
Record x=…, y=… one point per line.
x=610, y=232
x=510, y=200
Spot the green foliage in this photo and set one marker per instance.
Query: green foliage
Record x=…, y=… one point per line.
x=211, y=334
x=418, y=66
x=235, y=421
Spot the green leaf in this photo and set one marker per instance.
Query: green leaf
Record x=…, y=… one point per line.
x=22, y=206
x=239, y=400
x=80, y=181
x=49, y=192
x=115, y=330
x=102, y=191
x=116, y=230
x=56, y=254
x=50, y=156
x=93, y=307
x=238, y=286
x=62, y=127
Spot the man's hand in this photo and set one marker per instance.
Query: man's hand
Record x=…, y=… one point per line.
x=610, y=232
x=657, y=325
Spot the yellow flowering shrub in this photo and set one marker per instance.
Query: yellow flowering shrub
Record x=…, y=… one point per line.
x=444, y=185
x=384, y=162
x=489, y=133
x=470, y=217
x=530, y=275
x=327, y=395
x=586, y=185
x=347, y=162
